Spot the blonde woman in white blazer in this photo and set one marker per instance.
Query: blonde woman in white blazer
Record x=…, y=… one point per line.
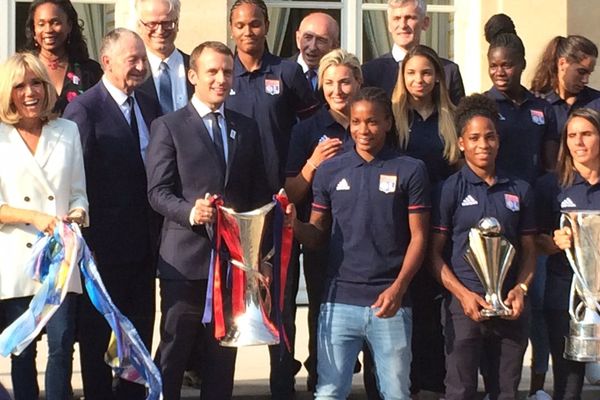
x=42, y=180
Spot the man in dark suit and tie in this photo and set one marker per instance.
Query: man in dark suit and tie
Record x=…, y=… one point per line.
x=406, y=20
x=197, y=151
x=113, y=122
x=316, y=36
x=158, y=23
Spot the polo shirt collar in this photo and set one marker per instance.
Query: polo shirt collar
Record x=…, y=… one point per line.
x=471, y=177
x=583, y=97
x=580, y=180
x=497, y=95
x=386, y=153
x=266, y=61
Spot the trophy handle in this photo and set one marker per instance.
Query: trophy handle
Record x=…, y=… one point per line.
x=567, y=222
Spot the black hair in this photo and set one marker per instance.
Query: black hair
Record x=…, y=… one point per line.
x=76, y=44
x=475, y=105
x=379, y=97
x=258, y=3
x=500, y=32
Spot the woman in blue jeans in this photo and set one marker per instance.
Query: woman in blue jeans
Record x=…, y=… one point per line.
x=374, y=205
x=43, y=180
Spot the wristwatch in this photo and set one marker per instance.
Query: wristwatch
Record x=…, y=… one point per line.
x=524, y=287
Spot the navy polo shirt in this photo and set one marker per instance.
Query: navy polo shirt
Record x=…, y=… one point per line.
x=464, y=199
x=523, y=130
x=306, y=135
x=369, y=204
x=275, y=96
x=424, y=143
x=563, y=110
x=559, y=274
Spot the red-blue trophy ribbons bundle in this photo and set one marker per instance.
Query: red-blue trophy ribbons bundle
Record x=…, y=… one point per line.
x=54, y=263
x=256, y=311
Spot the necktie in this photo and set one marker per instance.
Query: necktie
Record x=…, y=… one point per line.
x=311, y=75
x=165, y=95
x=133, y=121
x=218, y=139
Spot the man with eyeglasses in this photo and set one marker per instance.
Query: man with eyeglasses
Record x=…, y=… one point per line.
x=157, y=25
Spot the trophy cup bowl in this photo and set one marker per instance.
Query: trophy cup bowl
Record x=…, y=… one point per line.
x=245, y=231
x=490, y=255
x=583, y=342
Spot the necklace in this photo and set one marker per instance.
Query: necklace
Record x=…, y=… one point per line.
x=53, y=63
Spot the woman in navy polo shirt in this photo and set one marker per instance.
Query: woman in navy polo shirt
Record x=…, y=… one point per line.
x=578, y=178
x=374, y=205
x=529, y=145
x=424, y=117
x=315, y=140
x=480, y=190
x=527, y=125
x=562, y=75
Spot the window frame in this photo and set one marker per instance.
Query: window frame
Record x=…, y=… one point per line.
x=351, y=24
x=8, y=23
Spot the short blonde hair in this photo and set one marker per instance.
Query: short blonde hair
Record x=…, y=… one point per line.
x=12, y=73
x=340, y=57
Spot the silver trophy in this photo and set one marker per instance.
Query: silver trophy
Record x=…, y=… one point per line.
x=583, y=342
x=490, y=255
x=253, y=326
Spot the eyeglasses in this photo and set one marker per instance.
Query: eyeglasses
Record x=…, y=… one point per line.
x=165, y=25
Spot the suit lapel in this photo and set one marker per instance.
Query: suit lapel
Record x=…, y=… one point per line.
x=24, y=156
x=196, y=124
x=232, y=142
x=51, y=133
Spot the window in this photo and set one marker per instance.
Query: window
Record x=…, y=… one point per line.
x=363, y=31
x=97, y=17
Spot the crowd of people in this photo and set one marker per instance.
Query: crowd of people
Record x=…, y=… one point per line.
x=388, y=166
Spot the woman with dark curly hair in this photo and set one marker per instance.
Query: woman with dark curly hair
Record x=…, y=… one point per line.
x=55, y=35
x=479, y=190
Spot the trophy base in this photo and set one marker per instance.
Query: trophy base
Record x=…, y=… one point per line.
x=249, y=329
x=495, y=313
x=583, y=343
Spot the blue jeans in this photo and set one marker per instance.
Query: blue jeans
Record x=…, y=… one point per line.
x=60, y=331
x=341, y=332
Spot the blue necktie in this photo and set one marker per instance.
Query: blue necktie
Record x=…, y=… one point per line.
x=218, y=139
x=311, y=75
x=165, y=95
x=133, y=121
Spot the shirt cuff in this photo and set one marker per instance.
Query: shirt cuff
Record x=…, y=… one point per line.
x=192, y=222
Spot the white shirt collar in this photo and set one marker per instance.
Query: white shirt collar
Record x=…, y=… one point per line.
x=398, y=53
x=173, y=60
x=203, y=110
x=117, y=94
x=302, y=63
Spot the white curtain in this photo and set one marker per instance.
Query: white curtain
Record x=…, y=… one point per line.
x=93, y=17
x=278, y=18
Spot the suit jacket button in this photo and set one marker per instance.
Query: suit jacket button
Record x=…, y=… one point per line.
x=26, y=198
x=29, y=245
x=50, y=197
x=27, y=224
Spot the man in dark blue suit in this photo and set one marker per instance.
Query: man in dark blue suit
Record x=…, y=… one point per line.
x=113, y=122
x=406, y=20
x=158, y=23
x=197, y=151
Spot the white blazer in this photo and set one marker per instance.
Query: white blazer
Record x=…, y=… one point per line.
x=51, y=181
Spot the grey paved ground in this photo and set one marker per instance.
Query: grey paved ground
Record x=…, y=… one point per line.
x=252, y=371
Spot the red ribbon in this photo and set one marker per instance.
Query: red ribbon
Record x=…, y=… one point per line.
x=231, y=235
x=219, y=320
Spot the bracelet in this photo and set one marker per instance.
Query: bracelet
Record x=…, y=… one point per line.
x=524, y=288
x=311, y=164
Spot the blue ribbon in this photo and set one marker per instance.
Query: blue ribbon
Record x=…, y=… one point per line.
x=130, y=360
